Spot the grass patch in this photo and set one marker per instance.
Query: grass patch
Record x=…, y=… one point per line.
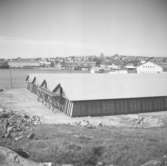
x=84, y=147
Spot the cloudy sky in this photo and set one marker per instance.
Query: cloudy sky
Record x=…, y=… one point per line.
x=48, y=28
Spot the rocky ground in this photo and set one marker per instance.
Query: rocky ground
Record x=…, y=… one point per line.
x=16, y=125
x=31, y=133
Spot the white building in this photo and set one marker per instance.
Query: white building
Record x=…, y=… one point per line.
x=149, y=67
x=119, y=72
x=23, y=63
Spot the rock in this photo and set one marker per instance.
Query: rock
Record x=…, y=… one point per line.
x=8, y=131
x=18, y=138
x=152, y=163
x=46, y=164
x=11, y=158
x=26, y=116
x=1, y=90
x=99, y=163
x=100, y=124
x=17, y=126
x=31, y=136
x=22, y=153
x=4, y=114
x=164, y=161
x=35, y=120
x=1, y=109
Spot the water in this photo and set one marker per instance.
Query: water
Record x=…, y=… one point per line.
x=15, y=78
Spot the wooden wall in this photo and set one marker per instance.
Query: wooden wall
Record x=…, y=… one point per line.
x=119, y=106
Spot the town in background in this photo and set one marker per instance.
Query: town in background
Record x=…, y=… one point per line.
x=93, y=64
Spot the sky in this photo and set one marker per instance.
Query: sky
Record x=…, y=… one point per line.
x=50, y=28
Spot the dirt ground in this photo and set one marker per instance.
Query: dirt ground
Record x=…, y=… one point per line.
x=126, y=140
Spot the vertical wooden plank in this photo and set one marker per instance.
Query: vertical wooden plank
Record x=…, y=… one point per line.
x=71, y=109
x=74, y=109
x=68, y=107
x=116, y=106
x=66, y=104
x=165, y=102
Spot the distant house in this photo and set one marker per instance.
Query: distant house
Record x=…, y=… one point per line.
x=71, y=66
x=131, y=68
x=23, y=63
x=4, y=64
x=58, y=66
x=118, y=72
x=104, y=68
x=149, y=67
x=114, y=67
x=89, y=64
x=95, y=69
x=45, y=63
x=84, y=68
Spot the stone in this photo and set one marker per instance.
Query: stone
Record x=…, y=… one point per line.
x=1, y=90
x=17, y=126
x=152, y=163
x=10, y=158
x=100, y=163
x=18, y=138
x=31, y=135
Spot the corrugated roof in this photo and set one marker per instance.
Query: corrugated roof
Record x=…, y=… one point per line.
x=39, y=80
x=106, y=86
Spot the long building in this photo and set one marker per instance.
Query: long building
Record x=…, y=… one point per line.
x=101, y=94
x=23, y=63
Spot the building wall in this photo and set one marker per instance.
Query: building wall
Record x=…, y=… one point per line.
x=118, y=106
x=23, y=64
x=149, y=68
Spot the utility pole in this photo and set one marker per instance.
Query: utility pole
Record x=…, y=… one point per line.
x=10, y=74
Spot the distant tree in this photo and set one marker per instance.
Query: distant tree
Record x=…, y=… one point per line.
x=116, y=56
x=52, y=64
x=102, y=58
x=18, y=58
x=164, y=59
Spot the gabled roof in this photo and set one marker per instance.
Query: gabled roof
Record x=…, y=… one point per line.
x=30, y=78
x=105, y=86
x=39, y=80
x=149, y=63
